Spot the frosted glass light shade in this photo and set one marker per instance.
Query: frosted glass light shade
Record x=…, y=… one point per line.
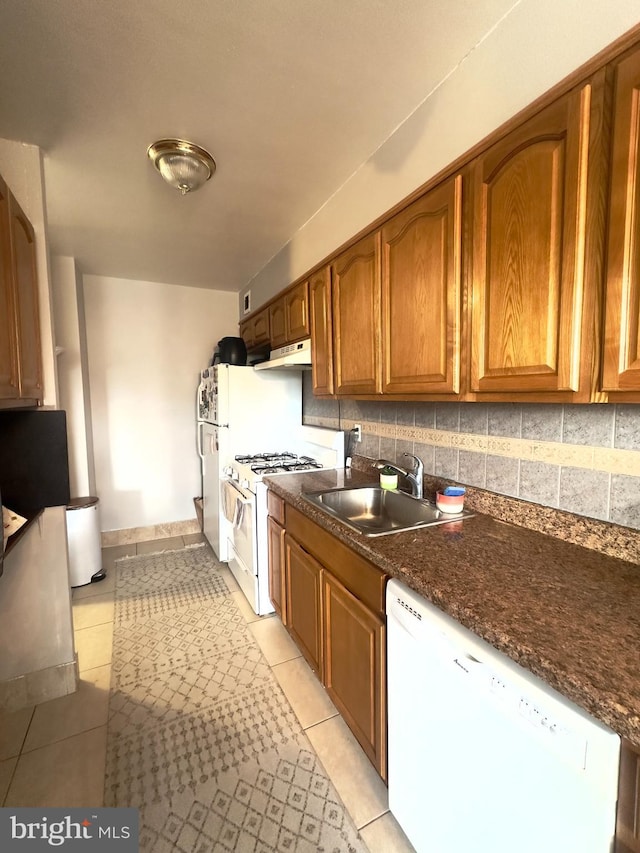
x=182, y=164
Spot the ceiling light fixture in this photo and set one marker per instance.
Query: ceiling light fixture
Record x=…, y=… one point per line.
x=182, y=164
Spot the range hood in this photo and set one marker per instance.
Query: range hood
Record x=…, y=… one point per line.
x=292, y=357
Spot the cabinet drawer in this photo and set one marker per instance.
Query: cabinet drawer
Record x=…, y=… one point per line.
x=359, y=576
x=275, y=507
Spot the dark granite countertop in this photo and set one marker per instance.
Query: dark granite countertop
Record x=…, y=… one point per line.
x=567, y=613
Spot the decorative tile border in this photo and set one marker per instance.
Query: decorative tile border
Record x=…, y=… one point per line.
x=605, y=459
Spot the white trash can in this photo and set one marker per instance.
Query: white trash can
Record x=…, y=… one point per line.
x=83, y=535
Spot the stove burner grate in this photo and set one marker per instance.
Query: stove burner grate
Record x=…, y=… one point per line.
x=277, y=463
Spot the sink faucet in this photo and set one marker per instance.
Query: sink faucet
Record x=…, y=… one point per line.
x=415, y=476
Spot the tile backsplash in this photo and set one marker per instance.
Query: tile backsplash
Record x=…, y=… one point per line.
x=583, y=459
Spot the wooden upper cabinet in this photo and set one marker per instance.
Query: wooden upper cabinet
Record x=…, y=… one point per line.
x=277, y=323
x=421, y=294
x=256, y=329
x=20, y=349
x=23, y=245
x=283, y=321
x=261, y=331
x=9, y=380
x=355, y=281
x=529, y=220
x=296, y=309
x=246, y=333
x=621, y=368
x=321, y=332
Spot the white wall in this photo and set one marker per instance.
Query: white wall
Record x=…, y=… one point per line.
x=536, y=45
x=73, y=372
x=21, y=168
x=147, y=343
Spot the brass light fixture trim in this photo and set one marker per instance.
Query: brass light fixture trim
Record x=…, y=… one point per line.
x=182, y=164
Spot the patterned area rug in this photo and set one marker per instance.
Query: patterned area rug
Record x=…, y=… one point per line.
x=201, y=737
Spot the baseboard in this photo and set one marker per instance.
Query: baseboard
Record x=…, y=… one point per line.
x=131, y=535
x=36, y=687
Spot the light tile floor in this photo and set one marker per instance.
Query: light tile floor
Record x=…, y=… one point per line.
x=54, y=754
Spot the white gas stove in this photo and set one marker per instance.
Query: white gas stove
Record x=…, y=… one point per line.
x=244, y=502
x=251, y=469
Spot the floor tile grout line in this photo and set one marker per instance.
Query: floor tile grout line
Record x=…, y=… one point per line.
x=62, y=739
x=93, y=625
x=12, y=777
x=373, y=820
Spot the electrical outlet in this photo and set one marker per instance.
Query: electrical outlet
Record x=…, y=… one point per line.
x=357, y=430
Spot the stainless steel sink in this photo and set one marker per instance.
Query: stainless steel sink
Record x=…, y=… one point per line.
x=373, y=511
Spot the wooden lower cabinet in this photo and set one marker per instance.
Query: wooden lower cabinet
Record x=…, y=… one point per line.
x=304, y=602
x=628, y=820
x=354, y=641
x=277, y=576
x=333, y=608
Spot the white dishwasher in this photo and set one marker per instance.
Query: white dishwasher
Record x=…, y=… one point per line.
x=484, y=757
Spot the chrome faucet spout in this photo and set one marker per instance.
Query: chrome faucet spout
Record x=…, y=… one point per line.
x=415, y=477
x=379, y=464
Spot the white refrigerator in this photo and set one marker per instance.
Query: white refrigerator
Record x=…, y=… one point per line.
x=240, y=411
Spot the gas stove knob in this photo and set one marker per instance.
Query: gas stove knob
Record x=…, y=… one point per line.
x=245, y=484
x=234, y=475
x=227, y=470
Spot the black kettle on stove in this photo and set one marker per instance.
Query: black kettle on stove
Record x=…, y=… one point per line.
x=230, y=351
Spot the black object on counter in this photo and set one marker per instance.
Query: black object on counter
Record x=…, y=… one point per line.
x=230, y=351
x=34, y=463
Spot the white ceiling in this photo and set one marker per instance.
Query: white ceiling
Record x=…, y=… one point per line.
x=290, y=97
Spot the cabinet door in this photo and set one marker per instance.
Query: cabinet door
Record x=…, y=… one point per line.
x=529, y=200
x=23, y=249
x=355, y=279
x=9, y=382
x=261, y=332
x=621, y=371
x=296, y=308
x=303, y=602
x=628, y=815
x=277, y=324
x=321, y=332
x=421, y=292
x=277, y=574
x=354, y=667
x=246, y=333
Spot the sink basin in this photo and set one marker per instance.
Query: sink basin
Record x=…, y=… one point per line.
x=373, y=511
